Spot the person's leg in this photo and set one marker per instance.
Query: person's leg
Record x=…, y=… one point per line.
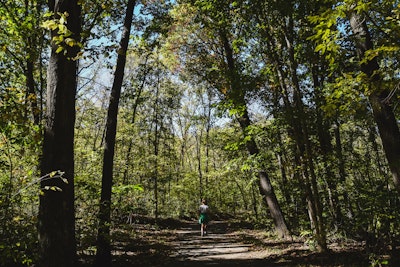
x=202, y=229
x=206, y=220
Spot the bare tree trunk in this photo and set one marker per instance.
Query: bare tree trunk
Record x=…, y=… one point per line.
x=207, y=110
x=103, y=255
x=56, y=220
x=379, y=97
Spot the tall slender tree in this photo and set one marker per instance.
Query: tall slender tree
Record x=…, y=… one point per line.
x=103, y=255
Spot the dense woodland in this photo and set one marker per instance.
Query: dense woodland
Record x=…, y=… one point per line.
x=283, y=114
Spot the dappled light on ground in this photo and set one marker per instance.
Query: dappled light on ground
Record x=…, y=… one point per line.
x=178, y=244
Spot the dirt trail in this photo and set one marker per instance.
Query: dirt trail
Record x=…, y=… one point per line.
x=225, y=245
x=218, y=248
x=179, y=244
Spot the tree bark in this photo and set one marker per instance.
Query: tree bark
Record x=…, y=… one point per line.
x=103, y=255
x=379, y=98
x=56, y=219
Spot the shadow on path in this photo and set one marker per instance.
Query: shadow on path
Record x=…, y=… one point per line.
x=216, y=245
x=222, y=247
x=181, y=245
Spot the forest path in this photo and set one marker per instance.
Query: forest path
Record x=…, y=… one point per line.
x=172, y=243
x=219, y=247
x=178, y=244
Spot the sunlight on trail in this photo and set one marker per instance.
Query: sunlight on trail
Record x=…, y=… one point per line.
x=217, y=245
x=179, y=244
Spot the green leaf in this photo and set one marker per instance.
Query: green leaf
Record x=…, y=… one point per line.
x=70, y=42
x=52, y=188
x=59, y=49
x=320, y=47
x=49, y=25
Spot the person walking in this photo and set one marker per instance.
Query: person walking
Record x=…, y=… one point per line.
x=204, y=217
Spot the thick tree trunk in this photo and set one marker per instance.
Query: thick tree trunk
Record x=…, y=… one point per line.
x=56, y=221
x=103, y=255
x=389, y=133
x=379, y=98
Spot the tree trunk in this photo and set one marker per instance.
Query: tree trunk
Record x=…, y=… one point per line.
x=349, y=213
x=56, y=219
x=326, y=147
x=103, y=255
x=135, y=106
x=265, y=186
x=156, y=144
x=199, y=138
x=304, y=144
x=207, y=138
x=236, y=95
x=31, y=92
x=379, y=97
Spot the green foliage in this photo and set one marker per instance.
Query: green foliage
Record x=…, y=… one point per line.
x=63, y=37
x=128, y=199
x=344, y=98
x=327, y=35
x=19, y=198
x=87, y=195
x=18, y=245
x=170, y=128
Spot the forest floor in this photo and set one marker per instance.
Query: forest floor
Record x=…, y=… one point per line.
x=173, y=243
